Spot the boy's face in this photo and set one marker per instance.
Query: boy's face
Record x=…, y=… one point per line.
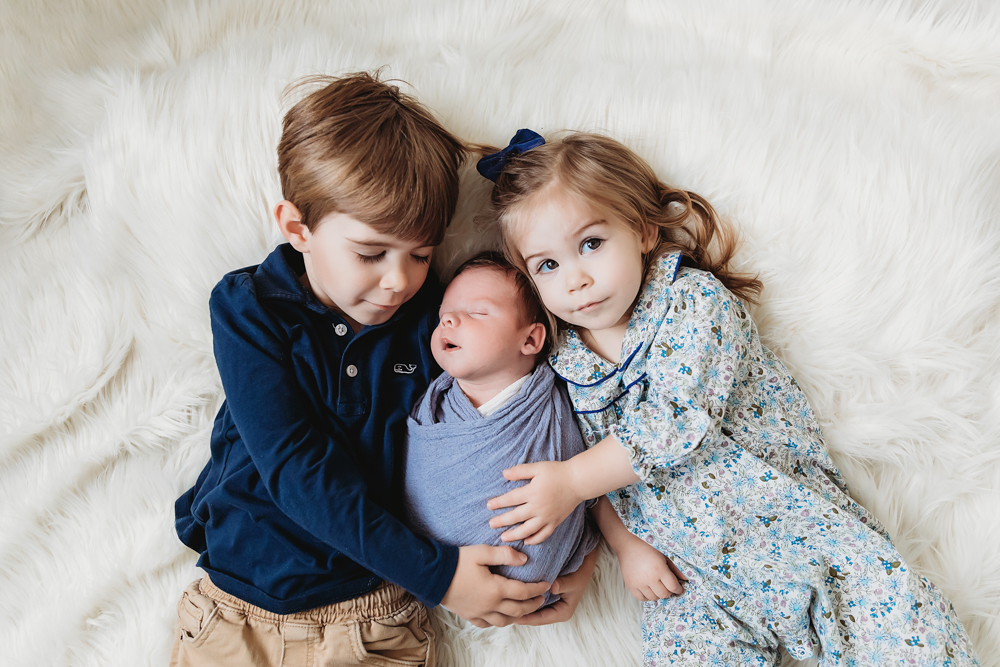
x=482, y=328
x=362, y=273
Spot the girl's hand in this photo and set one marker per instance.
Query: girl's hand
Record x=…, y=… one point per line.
x=648, y=574
x=570, y=589
x=541, y=505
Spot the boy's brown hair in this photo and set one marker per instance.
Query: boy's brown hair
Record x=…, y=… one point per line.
x=359, y=146
x=530, y=304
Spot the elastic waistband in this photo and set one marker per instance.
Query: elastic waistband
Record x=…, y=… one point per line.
x=384, y=601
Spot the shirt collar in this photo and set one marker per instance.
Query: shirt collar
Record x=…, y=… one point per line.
x=577, y=364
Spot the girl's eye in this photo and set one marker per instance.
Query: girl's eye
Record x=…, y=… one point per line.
x=547, y=266
x=591, y=245
x=422, y=259
x=371, y=259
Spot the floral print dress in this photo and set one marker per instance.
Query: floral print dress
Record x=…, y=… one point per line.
x=737, y=488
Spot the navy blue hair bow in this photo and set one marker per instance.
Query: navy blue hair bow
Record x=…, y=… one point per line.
x=491, y=165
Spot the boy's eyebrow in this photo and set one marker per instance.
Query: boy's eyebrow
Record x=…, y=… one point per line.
x=380, y=244
x=576, y=233
x=368, y=243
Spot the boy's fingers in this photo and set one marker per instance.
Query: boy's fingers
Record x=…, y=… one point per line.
x=500, y=556
x=518, y=591
x=550, y=614
x=518, y=608
x=509, y=499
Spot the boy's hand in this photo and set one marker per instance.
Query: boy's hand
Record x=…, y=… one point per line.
x=486, y=599
x=648, y=574
x=570, y=589
x=542, y=504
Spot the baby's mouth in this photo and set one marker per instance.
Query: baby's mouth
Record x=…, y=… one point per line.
x=448, y=345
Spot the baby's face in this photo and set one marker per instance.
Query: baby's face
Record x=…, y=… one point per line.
x=481, y=329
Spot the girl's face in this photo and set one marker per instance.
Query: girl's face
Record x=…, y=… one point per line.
x=588, y=268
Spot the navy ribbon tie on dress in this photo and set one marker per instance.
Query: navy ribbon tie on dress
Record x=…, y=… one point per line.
x=491, y=165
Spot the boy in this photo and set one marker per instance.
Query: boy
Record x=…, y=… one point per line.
x=322, y=349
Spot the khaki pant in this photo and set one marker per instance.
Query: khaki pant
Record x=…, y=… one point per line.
x=385, y=628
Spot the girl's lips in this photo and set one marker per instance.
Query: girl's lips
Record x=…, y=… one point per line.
x=586, y=308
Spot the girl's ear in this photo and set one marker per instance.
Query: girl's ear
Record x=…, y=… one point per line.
x=535, y=340
x=290, y=223
x=650, y=238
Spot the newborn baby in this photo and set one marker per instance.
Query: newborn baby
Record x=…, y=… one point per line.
x=494, y=407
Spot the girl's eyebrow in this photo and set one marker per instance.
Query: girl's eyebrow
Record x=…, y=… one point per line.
x=578, y=232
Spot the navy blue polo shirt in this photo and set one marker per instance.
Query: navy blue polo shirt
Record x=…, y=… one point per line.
x=298, y=506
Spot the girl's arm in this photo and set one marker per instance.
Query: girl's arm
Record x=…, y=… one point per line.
x=647, y=573
x=557, y=487
x=693, y=363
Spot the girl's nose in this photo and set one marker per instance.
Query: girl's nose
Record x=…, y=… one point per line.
x=577, y=279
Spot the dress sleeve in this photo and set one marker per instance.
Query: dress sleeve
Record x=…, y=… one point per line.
x=308, y=471
x=693, y=362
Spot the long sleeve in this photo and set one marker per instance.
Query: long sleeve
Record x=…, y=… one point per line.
x=309, y=471
x=693, y=361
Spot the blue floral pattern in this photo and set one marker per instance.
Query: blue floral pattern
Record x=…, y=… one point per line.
x=737, y=487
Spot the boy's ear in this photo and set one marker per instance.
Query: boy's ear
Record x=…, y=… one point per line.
x=535, y=340
x=290, y=223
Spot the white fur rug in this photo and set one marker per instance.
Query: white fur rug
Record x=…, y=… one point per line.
x=856, y=144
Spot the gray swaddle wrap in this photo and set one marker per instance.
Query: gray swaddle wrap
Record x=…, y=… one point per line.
x=455, y=461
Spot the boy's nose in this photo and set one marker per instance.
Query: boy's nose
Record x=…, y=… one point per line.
x=394, y=279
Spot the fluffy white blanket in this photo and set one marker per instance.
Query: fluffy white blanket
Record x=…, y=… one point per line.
x=855, y=144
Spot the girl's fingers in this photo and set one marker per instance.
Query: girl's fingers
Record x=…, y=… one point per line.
x=526, y=529
x=659, y=590
x=540, y=536
x=509, y=499
x=514, y=516
x=520, y=471
x=676, y=570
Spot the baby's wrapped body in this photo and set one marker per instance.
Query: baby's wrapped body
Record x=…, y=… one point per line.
x=455, y=461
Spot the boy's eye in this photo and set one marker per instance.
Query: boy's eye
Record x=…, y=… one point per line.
x=547, y=266
x=423, y=259
x=591, y=245
x=371, y=259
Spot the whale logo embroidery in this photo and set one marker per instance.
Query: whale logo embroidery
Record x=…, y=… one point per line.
x=405, y=368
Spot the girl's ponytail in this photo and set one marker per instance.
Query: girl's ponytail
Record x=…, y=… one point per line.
x=688, y=223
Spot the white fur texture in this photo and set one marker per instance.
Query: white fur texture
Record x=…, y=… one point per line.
x=855, y=144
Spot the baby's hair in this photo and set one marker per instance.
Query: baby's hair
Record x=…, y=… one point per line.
x=359, y=146
x=531, y=305
x=619, y=184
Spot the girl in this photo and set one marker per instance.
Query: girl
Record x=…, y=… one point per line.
x=705, y=445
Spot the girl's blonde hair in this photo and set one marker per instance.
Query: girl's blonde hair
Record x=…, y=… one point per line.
x=618, y=183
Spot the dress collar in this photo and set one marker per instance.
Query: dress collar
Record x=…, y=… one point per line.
x=577, y=364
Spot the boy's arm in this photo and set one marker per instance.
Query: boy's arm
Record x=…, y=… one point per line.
x=312, y=477
x=647, y=573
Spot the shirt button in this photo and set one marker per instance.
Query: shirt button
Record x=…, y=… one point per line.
x=340, y=329
x=352, y=370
